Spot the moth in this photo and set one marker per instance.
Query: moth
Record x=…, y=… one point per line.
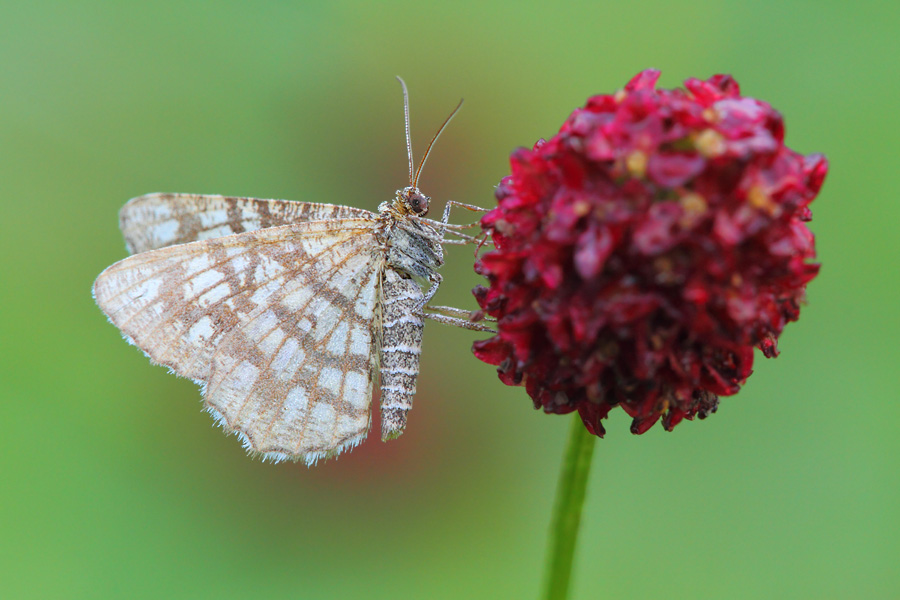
x=284, y=312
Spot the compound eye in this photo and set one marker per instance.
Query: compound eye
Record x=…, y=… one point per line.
x=419, y=204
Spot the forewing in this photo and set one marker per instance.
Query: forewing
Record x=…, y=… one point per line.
x=159, y=220
x=280, y=326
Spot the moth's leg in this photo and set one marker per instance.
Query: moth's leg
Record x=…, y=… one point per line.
x=466, y=239
x=451, y=226
x=458, y=313
x=444, y=229
x=455, y=242
x=444, y=223
x=451, y=203
x=435, y=279
x=457, y=317
x=456, y=322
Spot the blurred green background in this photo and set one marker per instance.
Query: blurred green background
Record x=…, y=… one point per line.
x=116, y=485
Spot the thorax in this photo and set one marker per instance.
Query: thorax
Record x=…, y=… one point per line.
x=413, y=247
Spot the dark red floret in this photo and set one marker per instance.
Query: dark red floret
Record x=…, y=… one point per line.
x=645, y=250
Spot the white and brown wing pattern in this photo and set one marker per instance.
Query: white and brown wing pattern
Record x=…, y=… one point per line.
x=280, y=326
x=157, y=220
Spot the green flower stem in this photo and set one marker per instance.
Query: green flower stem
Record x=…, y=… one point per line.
x=567, y=513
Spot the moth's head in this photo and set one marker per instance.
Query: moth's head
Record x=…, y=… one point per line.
x=413, y=201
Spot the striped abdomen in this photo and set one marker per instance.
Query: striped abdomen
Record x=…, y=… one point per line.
x=401, y=345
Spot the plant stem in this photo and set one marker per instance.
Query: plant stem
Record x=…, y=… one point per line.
x=567, y=512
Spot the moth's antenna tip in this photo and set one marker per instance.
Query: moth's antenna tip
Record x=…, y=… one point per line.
x=415, y=178
x=406, y=121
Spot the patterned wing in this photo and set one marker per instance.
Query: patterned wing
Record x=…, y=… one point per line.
x=159, y=220
x=280, y=326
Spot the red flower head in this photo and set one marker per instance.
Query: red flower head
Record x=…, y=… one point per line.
x=643, y=251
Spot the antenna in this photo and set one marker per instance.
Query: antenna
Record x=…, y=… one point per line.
x=406, y=116
x=415, y=179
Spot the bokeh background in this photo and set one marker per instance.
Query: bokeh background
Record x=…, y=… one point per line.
x=116, y=485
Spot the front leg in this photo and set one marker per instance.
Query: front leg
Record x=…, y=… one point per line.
x=445, y=219
x=444, y=224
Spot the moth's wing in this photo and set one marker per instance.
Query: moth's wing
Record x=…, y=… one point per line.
x=280, y=326
x=159, y=220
